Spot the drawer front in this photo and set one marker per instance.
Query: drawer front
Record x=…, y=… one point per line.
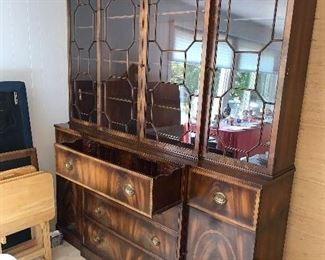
x=126, y=187
x=110, y=246
x=148, y=234
x=210, y=239
x=227, y=200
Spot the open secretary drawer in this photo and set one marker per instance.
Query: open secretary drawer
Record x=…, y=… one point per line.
x=141, y=184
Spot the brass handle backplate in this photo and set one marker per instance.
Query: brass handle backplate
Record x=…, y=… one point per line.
x=99, y=212
x=155, y=241
x=220, y=198
x=68, y=165
x=129, y=190
x=97, y=239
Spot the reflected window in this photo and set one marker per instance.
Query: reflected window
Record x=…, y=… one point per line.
x=183, y=39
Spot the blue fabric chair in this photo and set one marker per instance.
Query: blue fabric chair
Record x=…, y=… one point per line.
x=15, y=134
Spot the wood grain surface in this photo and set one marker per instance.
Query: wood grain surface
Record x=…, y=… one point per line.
x=111, y=246
x=112, y=180
x=306, y=226
x=241, y=202
x=131, y=226
x=211, y=240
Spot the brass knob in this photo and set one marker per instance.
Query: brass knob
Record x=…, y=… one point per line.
x=68, y=165
x=129, y=190
x=98, y=212
x=155, y=241
x=220, y=198
x=97, y=239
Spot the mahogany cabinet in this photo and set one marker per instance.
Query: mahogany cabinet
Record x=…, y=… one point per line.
x=184, y=118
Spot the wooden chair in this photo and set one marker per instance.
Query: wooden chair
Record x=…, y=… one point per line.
x=26, y=201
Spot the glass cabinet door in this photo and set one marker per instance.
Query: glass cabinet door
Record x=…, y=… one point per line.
x=248, y=52
x=83, y=60
x=119, y=65
x=174, y=67
x=246, y=71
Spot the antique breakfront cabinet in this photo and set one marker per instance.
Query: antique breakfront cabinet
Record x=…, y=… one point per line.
x=184, y=118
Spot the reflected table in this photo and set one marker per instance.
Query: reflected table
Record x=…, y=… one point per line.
x=241, y=141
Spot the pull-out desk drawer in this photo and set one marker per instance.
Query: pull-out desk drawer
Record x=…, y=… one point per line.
x=143, y=185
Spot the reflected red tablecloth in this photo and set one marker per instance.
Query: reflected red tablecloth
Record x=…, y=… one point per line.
x=240, y=142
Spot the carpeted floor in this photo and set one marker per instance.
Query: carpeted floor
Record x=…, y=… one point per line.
x=66, y=252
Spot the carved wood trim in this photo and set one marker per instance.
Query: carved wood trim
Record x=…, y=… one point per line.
x=99, y=62
x=142, y=67
x=211, y=32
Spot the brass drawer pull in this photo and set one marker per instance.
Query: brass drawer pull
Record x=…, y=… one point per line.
x=220, y=198
x=99, y=212
x=129, y=190
x=155, y=241
x=97, y=239
x=68, y=165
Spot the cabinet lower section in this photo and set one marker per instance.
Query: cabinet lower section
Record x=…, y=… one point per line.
x=122, y=205
x=103, y=229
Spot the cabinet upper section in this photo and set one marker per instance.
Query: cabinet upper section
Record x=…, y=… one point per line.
x=205, y=78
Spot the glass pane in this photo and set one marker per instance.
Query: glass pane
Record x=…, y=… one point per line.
x=269, y=69
x=280, y=19
x=174, y=61
x=248, y=50
x=83, y=59
x=252, y=22
x=120, y=65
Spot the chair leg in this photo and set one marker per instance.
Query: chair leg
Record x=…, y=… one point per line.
x=45, y=227
x=37, y=235
x=3, y=241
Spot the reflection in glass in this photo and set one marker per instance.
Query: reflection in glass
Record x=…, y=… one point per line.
x=248, y=51
x=174, y=58
x=83, y=60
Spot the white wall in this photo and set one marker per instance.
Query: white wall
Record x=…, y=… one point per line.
x=33, y=49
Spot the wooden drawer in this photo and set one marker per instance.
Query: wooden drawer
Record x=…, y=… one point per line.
x=110, y=246
x=210, y=239
x=225, y=199
x=148, y=234
x=143, y=185
x=167, y=218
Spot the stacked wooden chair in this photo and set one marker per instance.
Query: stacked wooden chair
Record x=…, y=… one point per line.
x=26, y=201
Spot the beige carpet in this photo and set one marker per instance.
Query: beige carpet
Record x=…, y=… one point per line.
x=66, y=252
